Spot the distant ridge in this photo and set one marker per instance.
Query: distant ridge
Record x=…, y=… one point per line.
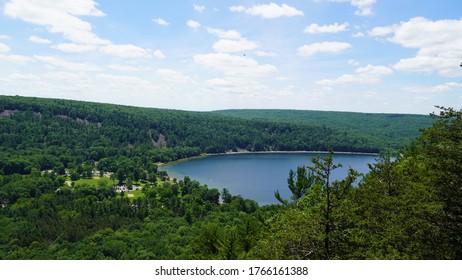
x=396, y=128
x=54, y=124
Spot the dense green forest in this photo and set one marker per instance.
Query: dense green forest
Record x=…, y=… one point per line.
x=94, y=128
x=395, y=128
x=79, y=180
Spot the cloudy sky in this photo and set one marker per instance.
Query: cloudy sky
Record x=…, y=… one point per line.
x=344, y=55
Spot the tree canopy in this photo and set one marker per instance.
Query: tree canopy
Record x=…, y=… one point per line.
x=67, y=169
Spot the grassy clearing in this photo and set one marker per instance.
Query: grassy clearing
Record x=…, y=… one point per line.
x=95, y=181
x=134, y=194
x=104, y=181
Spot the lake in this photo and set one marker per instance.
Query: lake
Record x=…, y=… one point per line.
x=258, y=175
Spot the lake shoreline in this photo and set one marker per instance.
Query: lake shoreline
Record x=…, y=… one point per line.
x=257, y=175
x=162, y=164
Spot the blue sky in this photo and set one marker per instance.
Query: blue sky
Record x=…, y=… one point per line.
x=344, y=55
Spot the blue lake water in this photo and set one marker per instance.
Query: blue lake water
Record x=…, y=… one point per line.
x=257, y=176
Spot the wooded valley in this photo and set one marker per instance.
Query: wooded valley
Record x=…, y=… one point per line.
x=61, y=160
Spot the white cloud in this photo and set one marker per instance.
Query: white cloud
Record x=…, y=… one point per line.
x=4, y=48
x=118, y=80
x=55, y=62
x=125, y=51
x=234, y=65
x=18, y=59
x=231, y=41
x=75, y=48
x=173, y=76
x=442, y=88
x=225, y=34
x=438, y=44
x=4, y=37
x=241, y=72
x=63, y=17
x=318, y=93
x=121, y=85
x=127, y=68
x=283, y=78
x=369, y=74
x=315, y=28
x=236, y=85
x=24, y=76
x=364, y=7
x=159, y=54
x=382, y=31
x=265, y=54
x=58, y=17
x=65, y=76
x=445, y=66
x=372, y=70
x=198, y=8
x=323, y=47
x=160, y=21
x=423, y=33
x=39, y=40
x=372, y=95
x=353, y=62
x=225, y=45
x=237, y=9
x=193, y=24
x=269, y=11
x=358, y=35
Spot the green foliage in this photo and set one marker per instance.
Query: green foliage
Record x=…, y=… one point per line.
x=166, y=220
x=315, y=224
x=382, y=131
x=298, y=186
x=407, y=207
x=442, y=150
x=71, y=132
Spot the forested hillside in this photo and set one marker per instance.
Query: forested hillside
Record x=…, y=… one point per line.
x=395, y=128
x=79, y=181
x=97, y=130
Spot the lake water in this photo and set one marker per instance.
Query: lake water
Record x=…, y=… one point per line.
x=257, y=176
